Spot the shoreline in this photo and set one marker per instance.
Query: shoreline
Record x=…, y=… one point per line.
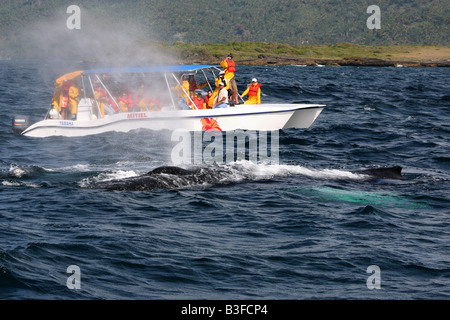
x=341, y=54
x=351, y=61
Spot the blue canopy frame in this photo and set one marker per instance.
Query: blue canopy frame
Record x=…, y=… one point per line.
x=164, y=68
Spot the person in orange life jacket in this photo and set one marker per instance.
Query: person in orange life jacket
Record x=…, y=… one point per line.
x=199, y=101
x=221, y=100
x=229, y=66
x=125, y=102
x=254, y=92
x=207, y=97
x=210, y=124
x=220, y=78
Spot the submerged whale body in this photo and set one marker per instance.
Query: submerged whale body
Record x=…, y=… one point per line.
x=172, y=177
x=166, y=177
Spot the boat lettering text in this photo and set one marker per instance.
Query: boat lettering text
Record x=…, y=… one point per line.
x=136, y=115
x=66, y=123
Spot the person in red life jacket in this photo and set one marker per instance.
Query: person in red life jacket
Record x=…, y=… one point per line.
x=64, y=103
x=193, y=85
x=210, y=124
x=254, y=92
x=229, y=66
x=207, y=97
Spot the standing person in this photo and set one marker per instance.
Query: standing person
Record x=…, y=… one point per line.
x=100, y=96
x=193, y=85
x=229, y=66
x=254, y=92
x=64, y=102
x=74, y=96
x=221, y=100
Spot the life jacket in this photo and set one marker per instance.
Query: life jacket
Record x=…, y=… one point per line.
x=64, y=102
x=114, y=105
x=198, y=102
x=192, y=84
x=210, y=124
x=65, y=95
x=127, y=100
x=253, y=90
x=231, y=66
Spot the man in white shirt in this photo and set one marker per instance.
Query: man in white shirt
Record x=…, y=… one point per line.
x=221, y=100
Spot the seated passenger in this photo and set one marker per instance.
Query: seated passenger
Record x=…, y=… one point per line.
x=207, y=98
x=220, y=79
x=199, y=101
x=125, y=102
x=221, y=100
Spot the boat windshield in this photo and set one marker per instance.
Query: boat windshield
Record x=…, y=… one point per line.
x=107, y=93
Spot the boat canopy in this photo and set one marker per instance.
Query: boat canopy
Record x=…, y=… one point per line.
x=68, y=76
x=164, y=68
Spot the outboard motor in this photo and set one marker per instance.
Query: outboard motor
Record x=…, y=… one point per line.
x=20, y=123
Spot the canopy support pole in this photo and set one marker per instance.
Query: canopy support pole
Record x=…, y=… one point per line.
x=185, y=91
x=114, y=100
x=96, y=102
x=170, y=91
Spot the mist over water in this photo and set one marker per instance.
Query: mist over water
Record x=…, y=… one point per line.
x=96, y=40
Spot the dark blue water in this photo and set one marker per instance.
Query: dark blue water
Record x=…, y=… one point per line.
x=303, y=229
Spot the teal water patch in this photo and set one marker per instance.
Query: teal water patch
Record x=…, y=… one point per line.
x=329, y=194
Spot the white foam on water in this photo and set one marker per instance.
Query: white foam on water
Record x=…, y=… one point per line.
x=108, y=176
x=249, y=169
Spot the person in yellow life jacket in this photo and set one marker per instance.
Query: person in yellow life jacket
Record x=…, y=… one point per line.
x=207, y=97
x=182, y=90
x=65, y=99
x=74, y=96
x=254, y=92
x=229, y=67
x=125, y=102
x=100, y=97
x=220, y=78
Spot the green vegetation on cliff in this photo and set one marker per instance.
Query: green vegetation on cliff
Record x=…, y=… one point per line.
x=283, y=27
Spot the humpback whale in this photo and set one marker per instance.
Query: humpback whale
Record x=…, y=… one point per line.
x=172, y=177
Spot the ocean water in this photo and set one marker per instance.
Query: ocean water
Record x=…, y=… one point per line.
x=305, y=228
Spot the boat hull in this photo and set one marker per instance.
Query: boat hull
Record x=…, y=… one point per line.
x=246, y=117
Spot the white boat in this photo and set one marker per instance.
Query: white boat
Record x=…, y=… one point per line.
x=94, y=117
